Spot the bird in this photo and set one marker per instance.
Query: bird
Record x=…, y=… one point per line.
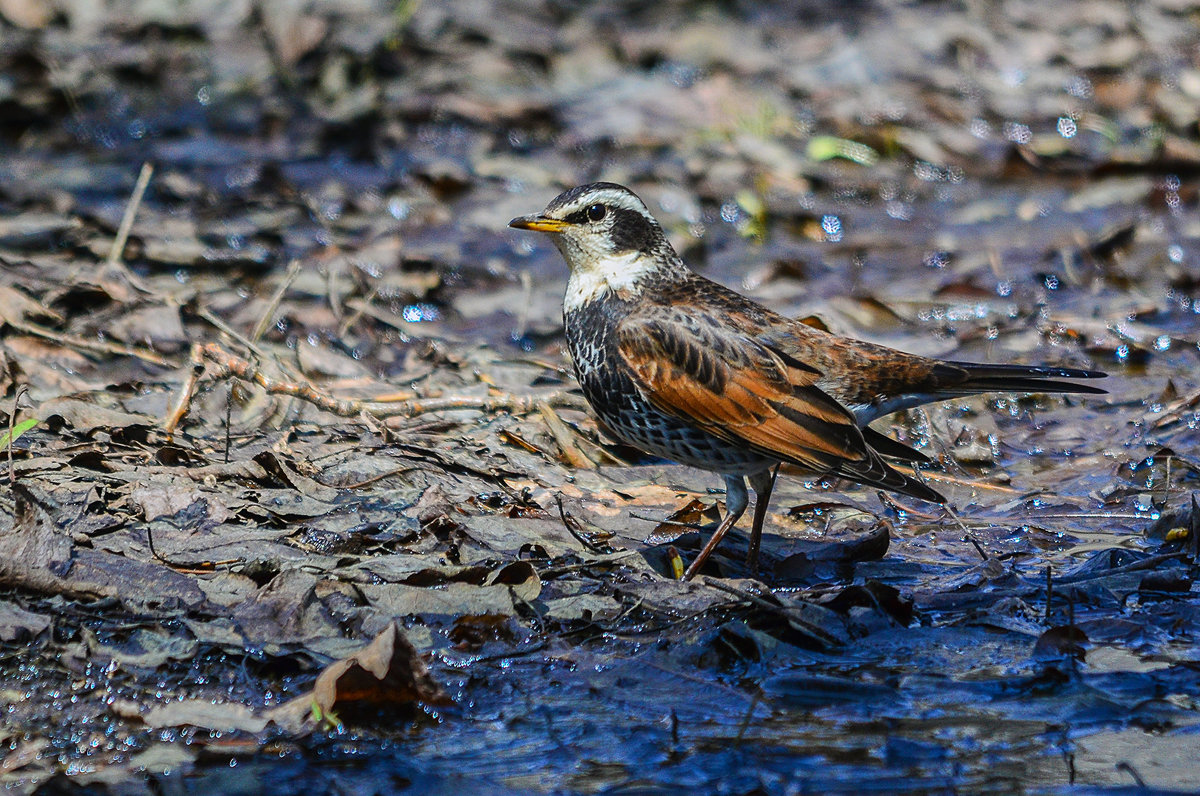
x=686, y=369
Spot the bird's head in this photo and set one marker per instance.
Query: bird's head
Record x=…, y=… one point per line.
x=604, y=231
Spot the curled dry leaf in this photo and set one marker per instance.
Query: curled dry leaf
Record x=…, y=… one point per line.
x=218, y=717
x=387, y=673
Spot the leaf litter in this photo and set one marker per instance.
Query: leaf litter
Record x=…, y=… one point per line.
x=298, y=476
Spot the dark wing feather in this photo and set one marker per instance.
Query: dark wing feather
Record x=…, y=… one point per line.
x=699, y=370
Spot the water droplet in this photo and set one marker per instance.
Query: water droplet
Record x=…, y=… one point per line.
x=1080, y=87
x=398, y=208
x=936, y=260
x=1017, y=133
x=832, y=226
x=416, y=313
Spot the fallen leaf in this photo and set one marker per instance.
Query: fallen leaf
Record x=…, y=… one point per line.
x=387, y=673
x=202, y=713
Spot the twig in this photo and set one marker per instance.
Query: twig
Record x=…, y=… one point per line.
x=1151, y=562
x=228, y=421
x=12, y=424
x=135, y=201
x=891, y=501
x=260, y=328
x=215, y=320
x=226, y=365
x=505, y=402
x=691, y=526
x=970, y=536
x=84, y=344
x=946, y=478
x=352, y=318
x=185, y=396
x=1128, y=768
x=374, y=478
x=569, y=522
x=745, y=725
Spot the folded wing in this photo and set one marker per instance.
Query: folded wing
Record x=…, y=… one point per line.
x=738, y=389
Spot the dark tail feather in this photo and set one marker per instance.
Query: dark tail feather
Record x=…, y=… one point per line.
x=875, y=472
x=886, y=446
x=1015, y=378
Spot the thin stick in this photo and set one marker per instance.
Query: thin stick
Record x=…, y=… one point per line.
x=237, y=336
x=946, y=478
x=570, y=522
x=228, y=421
x=357, y=313
x=970, y=536
x=185, y=396
x=12, y=423
x=226, y=365
x=260, y=328
x=374, y=478
x=135, y=200
x=517, y=404
x=745, y=725
x=84, y=344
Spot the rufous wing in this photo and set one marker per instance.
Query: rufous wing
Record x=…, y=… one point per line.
x=738, y=389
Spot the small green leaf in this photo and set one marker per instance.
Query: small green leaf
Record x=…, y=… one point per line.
x=327, y=720
x=827, y=147
x=755, y=223
x=17, y=431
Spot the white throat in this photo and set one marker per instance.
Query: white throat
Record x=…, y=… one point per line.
x=614, y=273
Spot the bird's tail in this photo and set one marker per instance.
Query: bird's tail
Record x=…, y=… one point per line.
x=1013, y=378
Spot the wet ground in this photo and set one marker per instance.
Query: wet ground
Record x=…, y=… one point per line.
x=296, y=386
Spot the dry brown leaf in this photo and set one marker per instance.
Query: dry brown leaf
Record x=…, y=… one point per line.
x=387, y=673
x=202, y=713
x=16, y=307
x=29, y=14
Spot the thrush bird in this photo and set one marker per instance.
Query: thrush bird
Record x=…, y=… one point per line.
x=686, y=369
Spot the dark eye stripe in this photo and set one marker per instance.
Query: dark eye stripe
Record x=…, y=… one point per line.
x=589, y=215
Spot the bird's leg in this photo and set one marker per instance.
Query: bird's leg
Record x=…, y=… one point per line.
x=762, y=483
x=736, y=500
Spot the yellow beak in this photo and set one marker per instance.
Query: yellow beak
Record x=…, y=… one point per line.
x=538, y=224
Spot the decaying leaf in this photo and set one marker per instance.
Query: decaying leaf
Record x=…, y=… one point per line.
x=385, y=676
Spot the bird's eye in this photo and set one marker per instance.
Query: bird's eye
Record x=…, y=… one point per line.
x=596, y=213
